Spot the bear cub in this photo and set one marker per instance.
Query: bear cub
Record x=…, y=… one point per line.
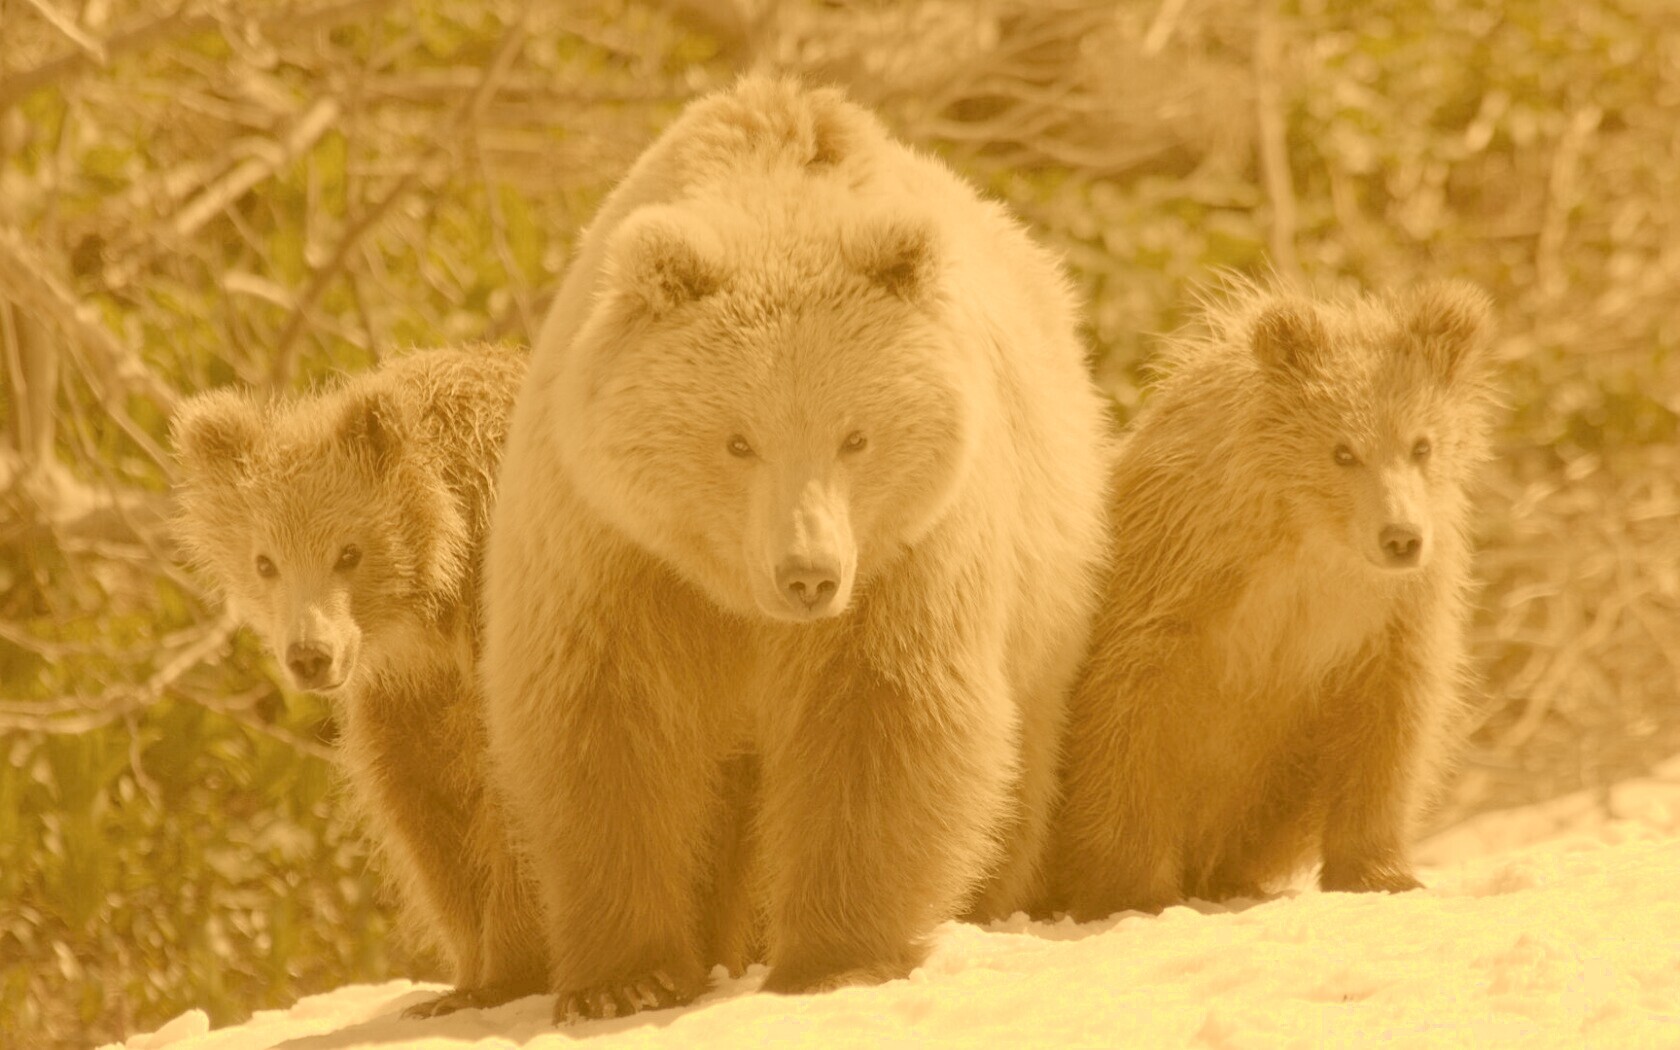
x=347, y=528
x=1276, y=668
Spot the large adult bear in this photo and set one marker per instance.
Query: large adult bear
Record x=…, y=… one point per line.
x=807, y=478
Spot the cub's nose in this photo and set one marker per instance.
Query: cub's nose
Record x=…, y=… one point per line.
x=308, y=662
x=1402, y=545
x=808, y=587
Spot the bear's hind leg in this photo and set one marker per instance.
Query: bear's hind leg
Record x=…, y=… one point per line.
x=1019, y=881
x=1124, y=822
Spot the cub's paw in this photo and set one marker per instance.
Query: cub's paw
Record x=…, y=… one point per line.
x=1352, y=879
x=447, y=1003
x=784, y=979
x=1234, y=889
x=658, y=990
x=482, y=997
x=1102, y=906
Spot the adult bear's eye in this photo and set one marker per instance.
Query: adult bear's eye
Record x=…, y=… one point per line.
x=349, y=558
x=265, y=567
x=1345, y=456
x=855, y=442
x=739, y=448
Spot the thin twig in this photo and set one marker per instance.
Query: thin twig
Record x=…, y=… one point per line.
x=1161, y=26
x=1561, y=198
x=180, y=22
x=303, y=135
x=1273, y=128
x=78, y=714
x=469, y=110
x=237, y=709
x=66, y=25
x=31, y=283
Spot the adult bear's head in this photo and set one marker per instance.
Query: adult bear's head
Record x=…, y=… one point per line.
x=773, y=400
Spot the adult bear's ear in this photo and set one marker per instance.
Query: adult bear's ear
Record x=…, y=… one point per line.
x=372, y=429
x=899, y=254
x=1450, y=324
x=660, y=260
x=1289, y=339
x=215, y=434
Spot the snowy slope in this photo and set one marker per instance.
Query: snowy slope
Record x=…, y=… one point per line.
x=1557, y=925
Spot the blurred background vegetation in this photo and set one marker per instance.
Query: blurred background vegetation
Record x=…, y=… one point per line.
x=199, y=192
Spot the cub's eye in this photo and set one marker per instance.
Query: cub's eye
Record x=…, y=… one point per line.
x=739, y=448
x=1345, y=456
x=265, y=567
x=1422, y=449
x=855, y=442
x=348, y=558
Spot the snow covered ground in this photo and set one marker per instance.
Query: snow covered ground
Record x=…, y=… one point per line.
x=1556, y=925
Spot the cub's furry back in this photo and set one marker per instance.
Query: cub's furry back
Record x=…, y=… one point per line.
x=347, y=526
x=1279, y=654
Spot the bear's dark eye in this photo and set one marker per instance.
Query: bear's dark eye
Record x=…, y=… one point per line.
x=855, y=442
x=739, y=448
x=349, y=558
x=1345, y=456
x=265, y=567
x=1421, y=450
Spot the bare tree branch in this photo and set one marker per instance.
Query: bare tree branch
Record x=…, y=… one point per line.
x=469, y=109
x=32, y=366
x=30, y=283
x=66, y=25
x=1274, y=145
x=78, y=714
x=235, y=184
x=1562, y=195
x=183, y=21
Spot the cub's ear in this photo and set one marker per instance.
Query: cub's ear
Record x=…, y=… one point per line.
x=662, y=261
x=216, y=433
x=1289, y=339
x=372, y=429
x=1450, y=323
x=899, y=254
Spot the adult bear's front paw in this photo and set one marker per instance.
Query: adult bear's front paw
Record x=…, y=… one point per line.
x=657, y=990
x=1366, y=878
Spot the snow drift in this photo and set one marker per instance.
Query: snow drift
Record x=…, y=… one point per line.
x=1556, y=925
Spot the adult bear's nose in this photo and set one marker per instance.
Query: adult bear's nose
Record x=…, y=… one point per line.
x=809, y=587
x=308, y=663
x=1403, y=544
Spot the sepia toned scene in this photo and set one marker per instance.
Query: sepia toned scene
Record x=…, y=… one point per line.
x=839, y=523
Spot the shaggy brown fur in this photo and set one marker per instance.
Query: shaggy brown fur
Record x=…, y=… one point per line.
x=808, y=470
x=347, y=528
x=1279, y=652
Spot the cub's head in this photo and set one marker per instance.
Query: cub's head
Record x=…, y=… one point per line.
x=318, y=523
x=1380, y=414
x=773, y=403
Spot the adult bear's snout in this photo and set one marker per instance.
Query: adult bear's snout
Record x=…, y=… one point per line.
x=808, y=586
